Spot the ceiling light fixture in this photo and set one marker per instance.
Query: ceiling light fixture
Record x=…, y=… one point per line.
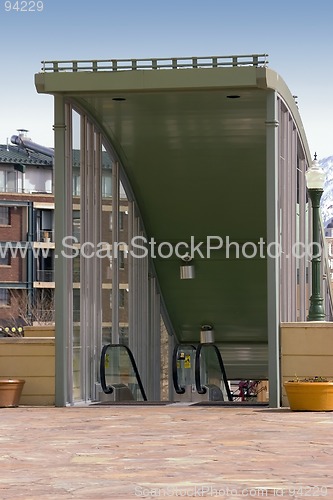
x=187, y=271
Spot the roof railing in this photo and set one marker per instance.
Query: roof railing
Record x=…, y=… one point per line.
x=256, y=60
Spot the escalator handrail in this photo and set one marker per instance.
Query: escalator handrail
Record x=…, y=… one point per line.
x=177, y=387
x=108, y=389
x=199, y=388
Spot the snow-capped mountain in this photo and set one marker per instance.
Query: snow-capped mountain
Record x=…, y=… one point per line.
x=327, y=198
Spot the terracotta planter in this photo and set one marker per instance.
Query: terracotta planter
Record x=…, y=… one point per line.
x=310, y=396
x=10, y=392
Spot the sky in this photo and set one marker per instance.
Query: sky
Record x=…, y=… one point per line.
x=296, y=34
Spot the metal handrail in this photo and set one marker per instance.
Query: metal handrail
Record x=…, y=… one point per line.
x=256, y=60
x=199, y=387
x=108, y=389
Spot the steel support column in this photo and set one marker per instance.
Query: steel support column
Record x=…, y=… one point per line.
x=62, y=290
x=273, y=302
x=115, y=258
x=30, y=258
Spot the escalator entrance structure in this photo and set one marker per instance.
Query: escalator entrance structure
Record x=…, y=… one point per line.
x=120, y=378
x=183, y=372
x=199, y=374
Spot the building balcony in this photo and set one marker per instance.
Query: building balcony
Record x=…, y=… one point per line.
x=44, y=279
x=45, y=235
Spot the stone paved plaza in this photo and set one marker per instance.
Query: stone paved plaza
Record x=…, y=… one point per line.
x=172, y=451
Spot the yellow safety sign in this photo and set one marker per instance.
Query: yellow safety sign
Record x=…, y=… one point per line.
x=187, y=362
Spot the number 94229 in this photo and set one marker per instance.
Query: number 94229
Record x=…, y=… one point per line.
x=24, y=6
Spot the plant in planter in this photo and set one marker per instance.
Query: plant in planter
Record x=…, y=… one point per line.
x=310, y=394
x=11, y=331
x=46, y=236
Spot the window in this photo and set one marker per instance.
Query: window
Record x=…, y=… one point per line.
x=106, y=185
x=76, y=305
x=2, y=181
x=4, y=297
x=121, y=297
x=121, y=257
x=121, y=220
x=76, y=269
x=4, y=258
x=8, y=181
x=4, y=216
x=76, y=185
x=76, y=224
x=44, y=224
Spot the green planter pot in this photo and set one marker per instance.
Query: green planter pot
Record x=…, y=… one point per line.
x=310, y=396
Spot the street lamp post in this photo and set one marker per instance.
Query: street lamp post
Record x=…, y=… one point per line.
x=315, y=178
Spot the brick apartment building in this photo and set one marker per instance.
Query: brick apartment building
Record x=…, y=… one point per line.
x=27, y=220
x=26, y=224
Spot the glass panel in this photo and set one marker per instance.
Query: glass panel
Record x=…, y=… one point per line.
x=211, y=369
x=165, y=346
x=123, y=263
x=76, y=345
x=120, y=368
x=184, y=366
x=107, y=251
x=76, y=230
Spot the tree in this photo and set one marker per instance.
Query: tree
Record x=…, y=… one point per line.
x=35, y=310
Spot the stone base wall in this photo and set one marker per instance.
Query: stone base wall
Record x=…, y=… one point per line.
x=306, y=351
x=31, y=358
